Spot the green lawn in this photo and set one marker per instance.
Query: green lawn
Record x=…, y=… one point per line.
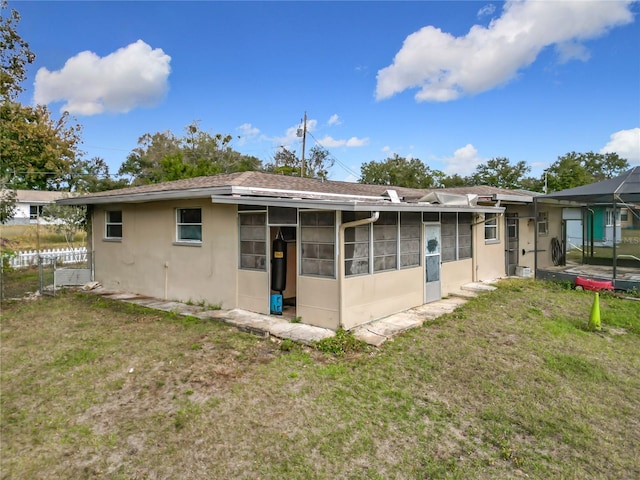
x=511, y=385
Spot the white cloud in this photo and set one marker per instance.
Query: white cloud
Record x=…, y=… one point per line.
x=130, y=77
x=487, y=10
x=626, y=143
x=330, y=142
x=464, y=161
x=248, y=130
x=334, y=120
x=444, y=67
x=292, y=137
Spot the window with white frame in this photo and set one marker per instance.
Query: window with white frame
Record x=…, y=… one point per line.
x=610, y=217
x=253, y=241
x=113, y=224
x=189, y=225
x=385, y=242
x=491, y=227
x=543, y=223
x=318, y=243
x=356, y=244
x=410, y=231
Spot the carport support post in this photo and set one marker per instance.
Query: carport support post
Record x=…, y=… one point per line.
x=615, y=219
x=535, y=238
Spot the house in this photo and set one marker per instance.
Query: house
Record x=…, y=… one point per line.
x=599, y=230
x=340, y=254
x=30, y=205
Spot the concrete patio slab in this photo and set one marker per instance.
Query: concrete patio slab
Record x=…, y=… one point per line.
x=374, y=333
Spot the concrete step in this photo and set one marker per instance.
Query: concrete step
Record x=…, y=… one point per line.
x=477, y=287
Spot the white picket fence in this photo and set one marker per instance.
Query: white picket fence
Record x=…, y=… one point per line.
x=59, y=255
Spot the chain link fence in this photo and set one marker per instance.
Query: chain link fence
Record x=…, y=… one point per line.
x=43, y=276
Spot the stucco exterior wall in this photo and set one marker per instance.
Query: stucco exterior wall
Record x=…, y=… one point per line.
x=455, y=274
x=368, y=297
x=554, y=231
x=318, y=302
x=253, y=291
x=147, y=260
x=526, y=233
x=489, y=254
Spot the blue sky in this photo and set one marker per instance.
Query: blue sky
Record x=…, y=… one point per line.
x=451, y=83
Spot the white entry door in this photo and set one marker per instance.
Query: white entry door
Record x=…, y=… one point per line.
x=432, y=291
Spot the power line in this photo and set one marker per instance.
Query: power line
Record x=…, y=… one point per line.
x=346, y=168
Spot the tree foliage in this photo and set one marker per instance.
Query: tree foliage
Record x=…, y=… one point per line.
x=500, y=173
x=66, y=220
x=401, y=172
x=8, y=199
x=162, y=156
x=577, y=169
x=15, y=54
x=37, y=151
x=316, y=164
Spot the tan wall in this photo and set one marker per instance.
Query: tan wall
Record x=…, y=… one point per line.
x=455, y=274
x=253, y=291
x=555, y=231
x=489, y=255
x=318, y=301
x=526, y=231
x=146, y=261
x=368, y=297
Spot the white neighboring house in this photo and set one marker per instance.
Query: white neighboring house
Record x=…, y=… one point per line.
x=31, y=203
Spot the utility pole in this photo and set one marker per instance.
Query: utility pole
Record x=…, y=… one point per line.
x=304, y=139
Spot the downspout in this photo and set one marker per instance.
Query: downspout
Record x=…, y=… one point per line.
x=343, y=226
x=535, y=238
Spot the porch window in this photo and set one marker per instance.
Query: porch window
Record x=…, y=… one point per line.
x=455, y=236
x=189, y=225
x=448, y=236
x=543, y=223
x=253, y=241
x=356, y=245
x=113, y=224
x=410, y=229
x=385, y=242
x=318, y=243
x=464, y=235
x=490, y=227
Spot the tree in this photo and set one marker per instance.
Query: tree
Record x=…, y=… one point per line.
x=36, y=150
x=92, y=176
x=455, y=180
x=401, y=172
x=8, y=200
x=38, y=153
x=576, y=169
x=15, y=55
x=316, y=165
x=500, y=173
x=162, y=156
x=66, y=220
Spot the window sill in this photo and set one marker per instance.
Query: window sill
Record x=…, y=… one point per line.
x=187, y=244
x=492, y=242
x=113, y=240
